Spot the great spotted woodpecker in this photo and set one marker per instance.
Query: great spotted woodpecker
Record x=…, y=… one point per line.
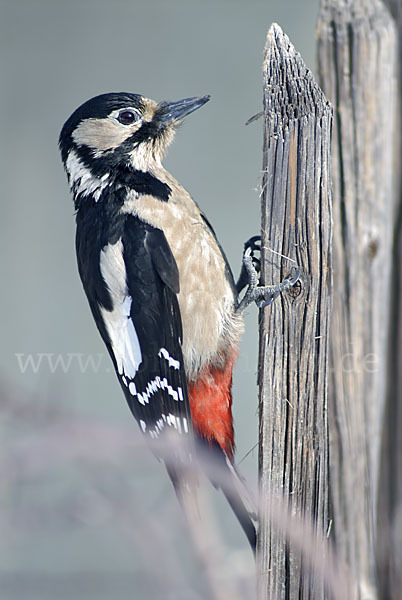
x=157, y=280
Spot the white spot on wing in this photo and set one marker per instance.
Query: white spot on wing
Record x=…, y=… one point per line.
x=152, y=387
x=172, y=362
x=119, y=325
x=171, y=420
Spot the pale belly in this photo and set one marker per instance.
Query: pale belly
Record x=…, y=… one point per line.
x=211, y=327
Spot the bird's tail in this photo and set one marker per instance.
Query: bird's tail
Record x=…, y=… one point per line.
x=242, y=504
x=223, y=474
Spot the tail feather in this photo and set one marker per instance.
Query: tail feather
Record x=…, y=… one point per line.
x=223, y=474
x=242, y=504
x=243, y=516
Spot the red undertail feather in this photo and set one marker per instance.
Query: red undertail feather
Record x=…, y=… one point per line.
x=211, y=406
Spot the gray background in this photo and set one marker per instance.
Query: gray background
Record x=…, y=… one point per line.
x=86, y=512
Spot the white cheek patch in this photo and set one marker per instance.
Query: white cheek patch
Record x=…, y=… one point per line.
x=82, y=181
x=119, y=325
x=103, y=134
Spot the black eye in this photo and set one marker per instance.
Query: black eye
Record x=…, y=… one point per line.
x=126, y=117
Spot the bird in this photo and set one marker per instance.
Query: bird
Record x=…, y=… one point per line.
x=157, y=280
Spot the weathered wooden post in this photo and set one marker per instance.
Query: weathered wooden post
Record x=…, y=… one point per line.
x=389, y=554
x=296, y=230
x=356, y=62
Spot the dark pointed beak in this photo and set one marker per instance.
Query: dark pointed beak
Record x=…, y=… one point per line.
x=176, y=111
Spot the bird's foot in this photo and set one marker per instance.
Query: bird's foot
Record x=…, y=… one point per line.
x=262, y=295
x=253, y=245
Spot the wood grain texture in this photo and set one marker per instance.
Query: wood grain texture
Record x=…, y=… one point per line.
x=296, y=223
x=356, y=62
x=389, y=549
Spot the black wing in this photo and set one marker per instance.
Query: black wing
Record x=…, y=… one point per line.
x=161, y=397
x=131, y=280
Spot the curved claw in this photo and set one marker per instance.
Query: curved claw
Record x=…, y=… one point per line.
x=253, y=245
x=294, y=279
x=263, y=303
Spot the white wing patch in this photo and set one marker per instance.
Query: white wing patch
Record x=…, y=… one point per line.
x=126, y=347
x=119, y=325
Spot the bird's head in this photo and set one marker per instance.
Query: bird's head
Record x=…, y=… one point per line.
x=120, y=129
